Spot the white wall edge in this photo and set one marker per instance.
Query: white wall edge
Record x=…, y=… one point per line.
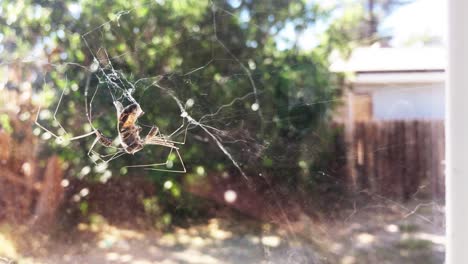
x=400, y=78
x=457, y=134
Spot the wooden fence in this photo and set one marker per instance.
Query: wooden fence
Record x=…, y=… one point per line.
x=398, y=158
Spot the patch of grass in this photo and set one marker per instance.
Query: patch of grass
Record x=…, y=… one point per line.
x=408, y=228
x=414, y=244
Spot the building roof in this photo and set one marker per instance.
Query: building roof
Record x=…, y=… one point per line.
x=376, y=59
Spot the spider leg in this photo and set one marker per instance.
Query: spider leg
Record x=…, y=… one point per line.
x=36, y=121
x=166, y=139
x=152, y=164
x=154, y=131
x=109, y=154
x=179, y=128
x=102, y=158
x=148, y=166
x=57, y=107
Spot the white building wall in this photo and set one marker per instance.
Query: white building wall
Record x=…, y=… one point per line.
x=408, y=102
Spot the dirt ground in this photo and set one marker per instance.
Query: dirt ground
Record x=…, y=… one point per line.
x=363, y=235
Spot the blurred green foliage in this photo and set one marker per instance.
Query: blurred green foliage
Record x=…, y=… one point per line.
x=234, y=47
x=5, y=123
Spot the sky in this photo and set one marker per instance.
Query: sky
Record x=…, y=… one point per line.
x=420, y=18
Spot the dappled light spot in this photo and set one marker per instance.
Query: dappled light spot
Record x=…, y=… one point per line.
x=190, y=102
x=65, y=183
x=230, y=196
x=169, y=261
x=436, y=239
x=107, y=242
x=7, y=248
x=74, y=87
x=213, y=223
x=365, y=239
x=25, y=115
x=126, y=258
x=255, y=107
x=392, y=228
x=85, y=171
x=105, y=176
x=194, y=256
x=61, y=132
x=404, y=253
x=254, y=239
x=46, y=136
x=336, y=247
x=82, y=227
x=84, y=192
x=62, y=141
x=198, y=242
x=252, y=65
x=193, y=231
x=168, y=240
x=154, y=250
x=112, y=256
x=75, y=10
x=216, y=232
x=142, y=261
x=168, y=185
x=36, y=131
x=94, y=66
x=45, y=114
x=355, y=226
x=220, y=234
x=169, y=164
x=76, y=198
x=101, y=167
x=271, y=241
x=348, y=260
x=26, y=168
x=200, y=170
x=266, y=227
x=184, y=239
x=67, y=257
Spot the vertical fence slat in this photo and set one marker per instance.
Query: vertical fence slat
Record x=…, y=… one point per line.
x=401, y=157
x=388, y=169
x=370, y=152
x=427, y=153
x=381, y=142
x=423, y=153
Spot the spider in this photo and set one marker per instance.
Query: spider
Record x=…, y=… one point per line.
x=129, y=135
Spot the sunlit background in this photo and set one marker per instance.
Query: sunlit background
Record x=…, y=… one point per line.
x=288, y=131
